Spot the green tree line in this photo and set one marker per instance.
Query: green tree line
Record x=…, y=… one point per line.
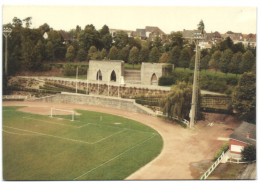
x=28, y=49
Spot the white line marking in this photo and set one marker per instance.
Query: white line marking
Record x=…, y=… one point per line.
x=18, y=133
x=49, y=135
x=109, y=136
x=80, y=141
x=50, y=122
x=78, y=121
x=83, y=125
x=113, y=158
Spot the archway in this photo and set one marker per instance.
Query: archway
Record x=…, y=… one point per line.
x=154, y=79
x=99, y=75
x=113, y=76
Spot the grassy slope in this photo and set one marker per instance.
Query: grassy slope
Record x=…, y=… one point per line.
x=31, y=156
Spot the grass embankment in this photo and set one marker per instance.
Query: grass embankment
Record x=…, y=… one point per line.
x=208, y=80
x=96, y=146
x=227, y=171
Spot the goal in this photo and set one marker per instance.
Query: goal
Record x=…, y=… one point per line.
x=55, y=111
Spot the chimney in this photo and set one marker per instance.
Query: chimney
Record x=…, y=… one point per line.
x=248, y=135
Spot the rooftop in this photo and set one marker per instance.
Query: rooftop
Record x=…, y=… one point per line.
x=241, y=132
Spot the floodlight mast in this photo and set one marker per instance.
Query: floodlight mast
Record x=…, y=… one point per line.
x=196, y=37
x=6, y=31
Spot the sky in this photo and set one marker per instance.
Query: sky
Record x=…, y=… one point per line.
x=129, y=17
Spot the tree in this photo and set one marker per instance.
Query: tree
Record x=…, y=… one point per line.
x=81, y=55
x=49, y=51
x=238, y=47
x=226, y=44
x=204, y=63
x=106, y=37
x=144, y=54
x=201, y=26
x=89, y=37
x=44, y=28
x=154, y=55
x=176, y=39
x=113, y=53
x=177, y=102
x=248, y=60
x=234, y=66
x=185, y=57
x=70, y=54
x=157, y=42
x=249, y=153
x=17, y=22
x=91, y=52
x=123, y=54
x=59, y=47
x=214, y=62
x=39, y=51
x=133, y=56
x=121, y=40
x=135, y=42
x=103, y=53
x=164, y=58
x=174, y=56
x=244, y=98
x=225, y=60
x=28, y=22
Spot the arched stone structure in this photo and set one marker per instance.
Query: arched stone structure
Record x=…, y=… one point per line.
x=113, y=76
x=154, y=80
x=99, y=75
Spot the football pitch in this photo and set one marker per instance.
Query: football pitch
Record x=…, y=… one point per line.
x=95, y=146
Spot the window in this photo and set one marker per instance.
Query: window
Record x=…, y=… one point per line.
x=113, y=76
x=99, y=75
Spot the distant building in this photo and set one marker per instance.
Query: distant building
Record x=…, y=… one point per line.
x=148, y=33
x=65, y=36
x=243, y=135
x=113, y=32
x=45, y=35
x=152, y=32
x=190, y=34
x=246, y=40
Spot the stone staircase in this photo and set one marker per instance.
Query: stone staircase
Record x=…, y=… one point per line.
x=132, y=76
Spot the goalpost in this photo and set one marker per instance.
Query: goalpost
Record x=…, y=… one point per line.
x=53, y=109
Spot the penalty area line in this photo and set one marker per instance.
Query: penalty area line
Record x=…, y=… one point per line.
x=63, y=138
x=50, y=122
x=114, y=157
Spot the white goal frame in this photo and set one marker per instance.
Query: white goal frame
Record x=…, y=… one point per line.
x=72, y=112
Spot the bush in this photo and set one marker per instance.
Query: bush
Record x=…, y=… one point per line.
x=69, y=70
x=82, y=69
x=249, y=153
x=166, y=81
x=224, y=148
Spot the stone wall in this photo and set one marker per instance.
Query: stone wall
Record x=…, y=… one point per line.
x=106, y=68
x=150, y=69
x=113, y=90
x=113, y=102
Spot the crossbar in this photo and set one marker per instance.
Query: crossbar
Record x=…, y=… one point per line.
x=72, y=112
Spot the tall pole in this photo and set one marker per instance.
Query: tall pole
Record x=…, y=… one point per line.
x=6, y=32
x=6, y=70
x=98, y=83
x=194, y=89
x=77, y=80
x=108, y=86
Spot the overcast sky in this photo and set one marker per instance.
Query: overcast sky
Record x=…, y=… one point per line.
x=222, y=19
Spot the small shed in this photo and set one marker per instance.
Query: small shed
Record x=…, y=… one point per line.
x=243, y=135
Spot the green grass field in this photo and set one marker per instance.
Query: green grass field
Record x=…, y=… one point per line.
x=95, y=146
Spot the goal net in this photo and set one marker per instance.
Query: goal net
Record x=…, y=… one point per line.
x=59, y=112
